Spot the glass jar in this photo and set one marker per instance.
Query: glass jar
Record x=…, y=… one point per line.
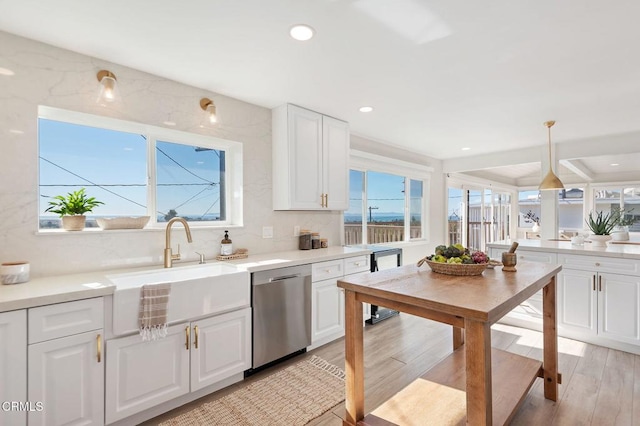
x=304, y=240
x=324, y=243
x=315, y=240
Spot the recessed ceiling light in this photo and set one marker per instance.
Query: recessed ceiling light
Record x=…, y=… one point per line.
x=16, y=131
x=615, y=164
x=466, y=148
x=366, y=109
x=301, y=32
x=6, y=71
x=169, y=123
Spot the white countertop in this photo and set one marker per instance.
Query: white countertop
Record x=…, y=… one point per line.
x=66, y=288
x=629, y=250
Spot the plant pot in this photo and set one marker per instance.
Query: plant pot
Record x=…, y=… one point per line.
x=73, y=223
x=599, y=240
x=620, y=233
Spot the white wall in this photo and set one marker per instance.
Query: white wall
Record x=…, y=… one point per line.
x=46, y=75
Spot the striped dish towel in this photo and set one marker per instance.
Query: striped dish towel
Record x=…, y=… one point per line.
x=152, y=316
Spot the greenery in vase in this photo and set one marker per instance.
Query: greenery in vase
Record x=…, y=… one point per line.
x=74, y=203
x=624, y=218
x=601, y=223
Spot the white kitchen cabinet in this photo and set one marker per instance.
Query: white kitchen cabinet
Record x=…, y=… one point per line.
x=310, y=160
x=221, y=347
x=327, y=299
x=13, y=364
x=327, y=307
x=194, y=355
x=577, y=300
x=141, y=375
x=66, y=363
x=600, y=304
x=67, y=376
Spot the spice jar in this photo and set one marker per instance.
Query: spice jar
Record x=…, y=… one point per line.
x=315, y=240
x=304, y=240
x=324, y=243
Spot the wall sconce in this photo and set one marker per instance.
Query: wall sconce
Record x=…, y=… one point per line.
x=107, y=86
x=207, y=105
x=551, y=181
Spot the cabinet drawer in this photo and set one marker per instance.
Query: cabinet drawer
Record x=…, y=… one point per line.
x=326, y=270
x=600, y=264
x=64, y=319
x=353, y=265
x=535, y=256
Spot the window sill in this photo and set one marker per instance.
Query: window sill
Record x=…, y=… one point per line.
x=94, y=231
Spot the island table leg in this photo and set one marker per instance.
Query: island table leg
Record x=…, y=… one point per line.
x=478, y=367
x=550, y=340
x=354, y=359
x=458, y=337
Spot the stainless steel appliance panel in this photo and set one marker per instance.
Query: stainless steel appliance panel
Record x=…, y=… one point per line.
x=281, y=303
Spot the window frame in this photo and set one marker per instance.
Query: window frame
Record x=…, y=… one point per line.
x=366, y=162
x=233, y=162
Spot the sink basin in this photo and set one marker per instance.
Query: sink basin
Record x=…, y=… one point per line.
x=196, y=291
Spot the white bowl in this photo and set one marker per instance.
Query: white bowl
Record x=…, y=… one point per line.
x=14, y=272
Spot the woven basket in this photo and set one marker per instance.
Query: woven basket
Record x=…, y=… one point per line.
x=461, y=269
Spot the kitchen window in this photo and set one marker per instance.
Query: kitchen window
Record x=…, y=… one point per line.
x=384, y=206
x=137, y=170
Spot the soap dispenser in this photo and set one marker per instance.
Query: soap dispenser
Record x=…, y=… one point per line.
x=226, y=248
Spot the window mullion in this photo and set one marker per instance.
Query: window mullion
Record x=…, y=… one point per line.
x=152, y=209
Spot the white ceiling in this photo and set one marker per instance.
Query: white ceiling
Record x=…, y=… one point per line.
x=441, y=74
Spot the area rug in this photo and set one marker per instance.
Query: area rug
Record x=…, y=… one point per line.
x=292, y=396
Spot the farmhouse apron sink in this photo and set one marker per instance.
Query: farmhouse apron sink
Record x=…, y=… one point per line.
x=196, y=291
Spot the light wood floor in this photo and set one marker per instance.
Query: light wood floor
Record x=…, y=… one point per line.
x=600, y=386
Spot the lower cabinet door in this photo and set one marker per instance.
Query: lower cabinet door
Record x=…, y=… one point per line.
x=141, y=375
x=577, y=300
x=619, y=300
x=221, y=347
x=66, y=375
x=13, y=366
x=327, y=320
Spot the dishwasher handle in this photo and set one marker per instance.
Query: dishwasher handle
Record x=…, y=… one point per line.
x=283, y=278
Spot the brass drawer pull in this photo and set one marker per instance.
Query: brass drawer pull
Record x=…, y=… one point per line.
x=197, y=336
x=99, y=345
x=187, y=331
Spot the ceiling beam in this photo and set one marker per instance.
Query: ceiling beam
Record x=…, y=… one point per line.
x=578, y=168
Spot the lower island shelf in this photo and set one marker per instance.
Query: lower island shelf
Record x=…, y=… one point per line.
x=438, y=397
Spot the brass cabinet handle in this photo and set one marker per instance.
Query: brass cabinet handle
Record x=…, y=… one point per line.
x=600, y=282
x=187, y=331
x=594, y=283
x=99, y=345
x=197, y=335
x=326, y=200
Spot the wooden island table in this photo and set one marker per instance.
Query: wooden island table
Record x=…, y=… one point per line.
x=476, y=384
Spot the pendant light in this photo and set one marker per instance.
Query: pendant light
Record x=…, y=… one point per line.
x=550, y=181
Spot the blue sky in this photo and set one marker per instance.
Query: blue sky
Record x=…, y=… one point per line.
x=112, y=166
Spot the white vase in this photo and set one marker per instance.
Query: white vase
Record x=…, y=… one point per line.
x=535, y=227
x=620, y=233
x=599, y=240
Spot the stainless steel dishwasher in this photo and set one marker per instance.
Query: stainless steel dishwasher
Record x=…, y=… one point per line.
x=281, y=302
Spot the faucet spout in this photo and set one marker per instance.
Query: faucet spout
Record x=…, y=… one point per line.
x=169, y=257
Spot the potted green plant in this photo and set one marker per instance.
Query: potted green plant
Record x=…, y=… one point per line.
x=601, y=224
x=621, y=231
x=72, y=207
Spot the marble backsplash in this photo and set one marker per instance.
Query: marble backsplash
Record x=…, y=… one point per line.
x=47, y=75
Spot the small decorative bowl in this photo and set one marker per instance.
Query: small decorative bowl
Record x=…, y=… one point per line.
x=14, y=272
x=123, y=222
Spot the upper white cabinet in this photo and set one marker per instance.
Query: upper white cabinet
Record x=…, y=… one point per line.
x=13, y=364
x=310, y=160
